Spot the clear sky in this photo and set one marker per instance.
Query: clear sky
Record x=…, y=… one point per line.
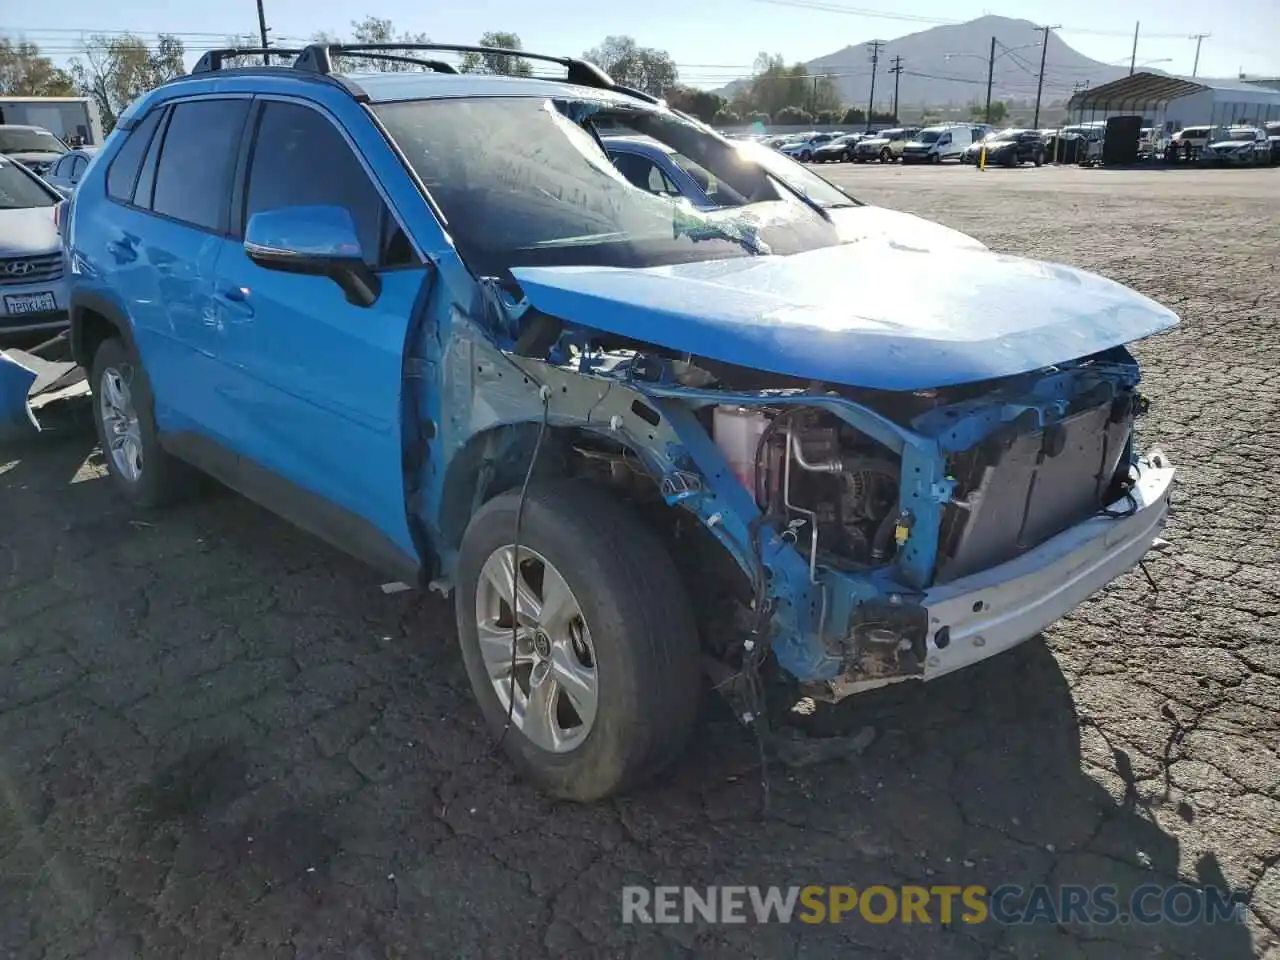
x=712, y=41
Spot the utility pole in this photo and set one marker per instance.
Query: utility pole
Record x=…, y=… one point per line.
x=875, y=46
x=262, y=29
x=1199, y=38
x=1044, y=52
x=991, y=69
x=896, y=70
x=1133, y=57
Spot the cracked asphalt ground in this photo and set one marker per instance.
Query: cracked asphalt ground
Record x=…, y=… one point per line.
x=218, y=738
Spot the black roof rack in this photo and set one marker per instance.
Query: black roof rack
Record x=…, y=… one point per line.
x=318, y=57
x=212, y=59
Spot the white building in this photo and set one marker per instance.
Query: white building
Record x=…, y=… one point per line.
x=1172, y=103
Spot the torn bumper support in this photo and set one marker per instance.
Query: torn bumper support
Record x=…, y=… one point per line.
x=33, y=391
x=976, y=617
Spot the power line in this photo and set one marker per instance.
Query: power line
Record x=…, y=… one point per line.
x=826, y=6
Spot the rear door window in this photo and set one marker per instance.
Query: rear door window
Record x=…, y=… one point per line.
x=193, y=174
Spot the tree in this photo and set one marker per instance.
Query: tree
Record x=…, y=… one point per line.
x=702, y=104
x=376, y=30
x=775, y=85
x=756, y=117
x=999, y=110
x=828, y=117
x=854, y=115
x=793, y=117
x=642, y=68
x=25, y=73
x=499, y=63
x=116, y=70
x=726, y=118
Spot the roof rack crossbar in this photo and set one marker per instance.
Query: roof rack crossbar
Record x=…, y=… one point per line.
x=319, y=57
x=435, y=66
x=212, y=60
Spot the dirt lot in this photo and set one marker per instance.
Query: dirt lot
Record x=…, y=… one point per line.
x=219, y=738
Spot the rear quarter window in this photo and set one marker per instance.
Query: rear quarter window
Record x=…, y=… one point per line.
x=122, y=175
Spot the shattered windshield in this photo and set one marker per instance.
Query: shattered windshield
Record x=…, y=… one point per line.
x=524, y=181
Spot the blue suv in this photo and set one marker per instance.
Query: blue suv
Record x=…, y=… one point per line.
x=422, y=314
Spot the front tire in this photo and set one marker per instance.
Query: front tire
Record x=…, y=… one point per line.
x=125, y=420
x=607, y=674
x=885, y=155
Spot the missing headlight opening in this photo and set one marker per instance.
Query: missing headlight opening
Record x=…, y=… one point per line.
x=835, y=490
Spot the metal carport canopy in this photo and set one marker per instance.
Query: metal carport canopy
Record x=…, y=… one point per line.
x=1138, y=89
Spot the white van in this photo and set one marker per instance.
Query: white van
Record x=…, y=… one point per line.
x=935, y=144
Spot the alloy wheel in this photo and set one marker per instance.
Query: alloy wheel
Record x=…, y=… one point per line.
x=122, y=430
x=552, y=675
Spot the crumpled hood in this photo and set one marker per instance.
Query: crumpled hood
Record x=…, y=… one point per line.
x=894, y=310
x=29, y=231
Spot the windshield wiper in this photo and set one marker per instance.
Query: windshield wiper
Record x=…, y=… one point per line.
x=805, y=198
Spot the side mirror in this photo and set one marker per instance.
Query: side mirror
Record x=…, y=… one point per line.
x=319, y=241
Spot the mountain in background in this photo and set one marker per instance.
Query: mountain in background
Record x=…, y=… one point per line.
x=947, y=65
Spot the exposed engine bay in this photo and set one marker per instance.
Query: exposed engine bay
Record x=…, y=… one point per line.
x=878, y=514
x=834, y=489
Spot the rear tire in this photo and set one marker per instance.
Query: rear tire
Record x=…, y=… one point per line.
x=124, y=417
x=635, y=625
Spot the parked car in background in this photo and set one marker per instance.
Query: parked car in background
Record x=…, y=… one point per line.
x=839, y=149
x=34, y=147
x=661, y=170
x=33, y=288
x=1151, y=143
x=884, y=146
x=802, y=150
x=1247, y=146
x=935, y=144
x=1008, y=148
x=1187, y=143
x=1273, y=138
x=69, y=168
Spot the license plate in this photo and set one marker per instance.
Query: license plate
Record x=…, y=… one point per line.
x=30, y=303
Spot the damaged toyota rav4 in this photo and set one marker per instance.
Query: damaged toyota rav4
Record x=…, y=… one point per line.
x=424, y=315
